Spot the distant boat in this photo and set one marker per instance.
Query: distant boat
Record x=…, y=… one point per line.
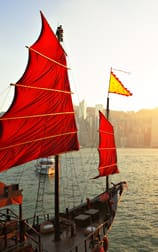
x=45, y=166
x=39, y=123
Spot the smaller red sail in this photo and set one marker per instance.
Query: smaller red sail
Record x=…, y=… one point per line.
x=107, y=148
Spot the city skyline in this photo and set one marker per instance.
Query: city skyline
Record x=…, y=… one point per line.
x=95, y=105
x=104, y=106
x=132, y=129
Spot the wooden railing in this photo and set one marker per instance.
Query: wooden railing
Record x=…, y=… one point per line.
x=36, y=233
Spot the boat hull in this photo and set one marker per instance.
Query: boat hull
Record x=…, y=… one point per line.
x=81, y=226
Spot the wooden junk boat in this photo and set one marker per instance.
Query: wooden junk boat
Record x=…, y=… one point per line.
x=43, y=124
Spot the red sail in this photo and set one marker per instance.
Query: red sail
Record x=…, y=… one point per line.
x=40, y=121
x=107, y=148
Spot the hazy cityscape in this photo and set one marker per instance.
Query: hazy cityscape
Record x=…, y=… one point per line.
x=132, y=129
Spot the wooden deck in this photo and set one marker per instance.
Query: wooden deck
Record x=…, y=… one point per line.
x=79, y=242
x=80, y=229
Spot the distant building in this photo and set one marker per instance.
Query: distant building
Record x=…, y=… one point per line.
x=154, y=133
x=82, y=110
x=97, y=108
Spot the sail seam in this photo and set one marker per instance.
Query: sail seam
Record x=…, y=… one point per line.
x=23, y=117
x=39, y=139
x=49, y=89
x=56, y=62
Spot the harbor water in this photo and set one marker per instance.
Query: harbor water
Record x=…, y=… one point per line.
x=136, y=223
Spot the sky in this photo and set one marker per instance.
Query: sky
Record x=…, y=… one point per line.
x=98, y=35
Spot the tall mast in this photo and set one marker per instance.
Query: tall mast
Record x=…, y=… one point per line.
x=59, y=34
x=56, y=201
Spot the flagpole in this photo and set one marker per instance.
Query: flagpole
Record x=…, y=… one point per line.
x=107, y=105
x=107, y=116
x=115, y=86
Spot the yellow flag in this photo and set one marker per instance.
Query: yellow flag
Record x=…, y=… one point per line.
x=117, y=87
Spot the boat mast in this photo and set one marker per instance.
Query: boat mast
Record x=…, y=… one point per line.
x=56, y=201
x=59, y=34
x=107, y=116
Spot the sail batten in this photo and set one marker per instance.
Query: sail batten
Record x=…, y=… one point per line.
x=113, y=148
x=39, y=122
x=102, y=167
x=37, y=140
x=106, y=132
x=42, y=88
x=47, y=57
x=33, y=116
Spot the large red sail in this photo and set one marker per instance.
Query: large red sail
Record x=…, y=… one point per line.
x=40, y=121
x=107, y=148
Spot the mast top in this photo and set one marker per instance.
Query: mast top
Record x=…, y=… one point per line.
x=59, y=33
